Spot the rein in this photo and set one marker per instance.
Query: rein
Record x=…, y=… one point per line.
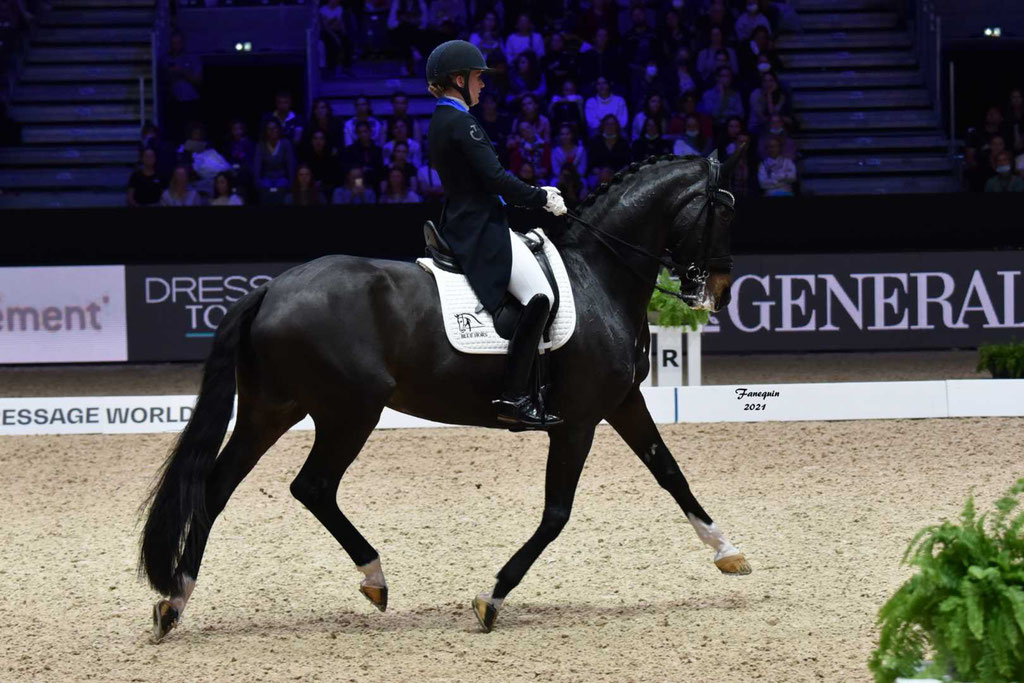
x=693, y=273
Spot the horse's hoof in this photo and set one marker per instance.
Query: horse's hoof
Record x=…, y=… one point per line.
x=378, y=595
x=735, y=565
x=165, y=617
x=485, y=612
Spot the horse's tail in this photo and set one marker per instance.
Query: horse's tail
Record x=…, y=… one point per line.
x=177, y=501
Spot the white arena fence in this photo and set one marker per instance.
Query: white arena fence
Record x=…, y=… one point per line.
x=668, y=405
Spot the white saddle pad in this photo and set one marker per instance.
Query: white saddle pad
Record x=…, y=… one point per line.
x=470, y=328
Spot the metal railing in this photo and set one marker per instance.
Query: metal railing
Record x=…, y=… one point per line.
x=927, y=30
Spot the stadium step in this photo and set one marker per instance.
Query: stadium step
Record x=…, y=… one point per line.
x=862, y=99
x=104, y=92
x=842, y=40
x=865, y=120
x=75, y=113
x=378, y=68
x=89, y=36
x=124, y=155
x=848, y=60
x=47, y=178
x=61, y=200
x=93, y=4
x=413, y=87
x=837, y=144
x=853, y=79
x=89, y=54
x=842, y=5
x=49, y=73
x=891, y=164
x=87, y=134
x=98, y=17
x=936, y=184
x=838, y=21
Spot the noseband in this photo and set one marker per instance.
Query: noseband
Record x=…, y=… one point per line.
x=695, y=274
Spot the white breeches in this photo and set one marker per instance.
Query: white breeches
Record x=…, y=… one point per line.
x=527, y=279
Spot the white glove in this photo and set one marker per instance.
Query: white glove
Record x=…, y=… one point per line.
x=556, y=204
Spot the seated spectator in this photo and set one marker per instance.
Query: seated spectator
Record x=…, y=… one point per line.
x=602, y=104
x=239, y=151
x=749, y=20
x=497, y=81
x=400, y=112
x=978, y=148
x=570, y=182
x=496, y=123
x=526, y=78
x=397, y=191
x=777, y=128
x=401, y=135
x=605, y=175
x=567, y=107
x=652, y=109
x=693, y=141
x=641, y=50
x=407, y=26
x=767, y=101
x=529, y=111
x=649, y=82
x=273, y=164
x=609, y=148
x=558, y=63
x=355, y=190
x=686, y=106
x=288, y=120
x=680, y=81
x=733, y=129
x=447, y=20
x=741, y=182
x=777, y=174
x=364, y=154
x=166, y=151
x=1014, y=121
x=336, y=39
x=399, y=158
x=1005, y=180
x=304, y=190
x=676, y=33
x=528, y=147
x=650, y=143
x=569, y=150
x=144, y=185
x=364, y=115
x=757, y=51
x=722, y=101
x=322, y=159
x=487, y=36
x=527, y=174
x=223, y=193
x=603, y=15
x=716, y=15
x=324, y=120
x=996, y=146
x=524, y=38
x=429, y=183
x=178, y=193
x=603, y=59
x=195, y=142
x=707, y=63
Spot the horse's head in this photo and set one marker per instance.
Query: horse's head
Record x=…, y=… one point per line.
x=699, y=238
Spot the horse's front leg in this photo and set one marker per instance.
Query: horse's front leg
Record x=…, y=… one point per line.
x=634, y=424
x=566, y=455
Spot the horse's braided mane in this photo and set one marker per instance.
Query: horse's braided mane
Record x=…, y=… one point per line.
x=626, y=172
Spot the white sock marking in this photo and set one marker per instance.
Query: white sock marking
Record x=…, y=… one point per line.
x=712, y=536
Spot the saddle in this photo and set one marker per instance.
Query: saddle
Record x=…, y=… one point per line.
x=508, y=313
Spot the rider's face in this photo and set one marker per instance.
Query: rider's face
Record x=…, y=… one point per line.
x=476, y=84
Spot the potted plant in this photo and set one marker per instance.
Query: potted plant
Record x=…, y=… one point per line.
x=668, y=311
x=1004, y=361
x=965, y=606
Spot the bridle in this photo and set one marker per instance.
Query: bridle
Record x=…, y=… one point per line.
x=694, y=276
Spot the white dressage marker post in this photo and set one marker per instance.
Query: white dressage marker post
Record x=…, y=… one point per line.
x=693, y=356
x=667, y=357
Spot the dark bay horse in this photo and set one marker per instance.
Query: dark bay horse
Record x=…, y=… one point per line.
x=340, y=338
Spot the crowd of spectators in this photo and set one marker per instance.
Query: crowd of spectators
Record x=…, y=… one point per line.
x=994, y=150
x=580, y=89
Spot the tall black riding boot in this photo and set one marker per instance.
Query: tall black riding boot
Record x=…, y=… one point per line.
x=517, y=407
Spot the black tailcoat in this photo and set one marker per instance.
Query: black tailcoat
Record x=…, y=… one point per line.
x=473, y=220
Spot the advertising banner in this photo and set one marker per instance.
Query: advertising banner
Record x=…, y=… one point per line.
x=173, y=311
x=62, y=314
x=871, y=302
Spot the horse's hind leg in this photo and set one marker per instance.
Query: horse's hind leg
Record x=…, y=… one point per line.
x=256, y=430
x=566, y=455
x=337, y=443
x=634, y=424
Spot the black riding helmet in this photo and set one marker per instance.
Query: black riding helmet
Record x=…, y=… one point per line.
x=452, y=58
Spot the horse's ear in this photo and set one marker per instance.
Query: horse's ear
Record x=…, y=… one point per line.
x=730, y=164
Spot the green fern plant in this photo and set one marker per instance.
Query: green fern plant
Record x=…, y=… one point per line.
x=1004, y=361
x=673, y=312
x=965, y=606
